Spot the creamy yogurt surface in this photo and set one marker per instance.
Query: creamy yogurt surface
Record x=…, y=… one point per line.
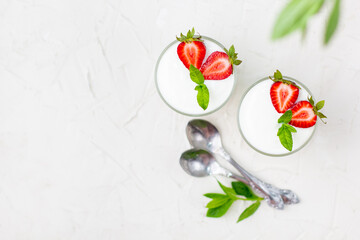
x=177, y=89
x=258, y=120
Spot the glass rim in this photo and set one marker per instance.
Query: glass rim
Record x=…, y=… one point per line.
x=173, y=108
x=243, y=135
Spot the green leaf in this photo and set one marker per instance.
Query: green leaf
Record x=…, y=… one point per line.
x=203, y=96
x=232, y=50
x=219, y=211
x=249, y=211
x=295, y=16
x=243, y=190
x=311, y=100
x=195, y=75
x=215, y=195
x=229, y=191
x=278, y=75
x=237, y=62
x=320, y=105
x=286, y=117
x=332, y=22
x=217, y=202
x=285, y=137
x=291, y=128
x=321, y=115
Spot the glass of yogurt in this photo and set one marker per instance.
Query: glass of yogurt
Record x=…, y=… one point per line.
x=258, y=120
x=176, y=89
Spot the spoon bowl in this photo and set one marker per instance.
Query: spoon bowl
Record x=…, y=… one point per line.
x=197, y=163
x=203, y=135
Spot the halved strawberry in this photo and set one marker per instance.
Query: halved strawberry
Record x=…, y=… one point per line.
x=305, y=113
x=283, y=96
x=191, y=50
x=283, y=93
x=219, y=65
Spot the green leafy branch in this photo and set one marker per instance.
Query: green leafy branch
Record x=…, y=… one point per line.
x=285, y=131
x=221, y=203
x=297, y=13
x=203, y=95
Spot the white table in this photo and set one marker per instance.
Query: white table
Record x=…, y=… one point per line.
x=88, y=150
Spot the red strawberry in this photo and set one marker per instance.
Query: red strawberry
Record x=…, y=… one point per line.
x=283, y=96
x=304, y=113
x=283, y=93
x=191, y=50
x=219, y=65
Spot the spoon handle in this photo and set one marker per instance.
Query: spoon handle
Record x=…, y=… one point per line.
x=269, y=192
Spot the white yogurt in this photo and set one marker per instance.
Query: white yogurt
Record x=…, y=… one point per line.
x=258, y=121
x=177, y=89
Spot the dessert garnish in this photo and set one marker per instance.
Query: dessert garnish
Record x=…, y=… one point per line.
x=221, y=203
x=305, y=113
x=219, y=65
x=191, y=50
x=203, y=92
x=302, y=114
x=283, y=93
x=285, y=131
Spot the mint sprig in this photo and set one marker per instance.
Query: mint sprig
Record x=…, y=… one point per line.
x=203, y=95
x=221, y=203
x=285, y=131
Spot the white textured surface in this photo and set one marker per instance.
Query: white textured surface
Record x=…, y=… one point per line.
x=88, y=150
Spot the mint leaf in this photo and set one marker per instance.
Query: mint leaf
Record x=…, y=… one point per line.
x=219, y=211
x=285, y=137
x=320, y=105
x=203, y=96
x=249, y=211
x=217, y=202
x=195, y=75
x=243, y=190
x=332, y=22
x=286, y=117
x=215, y=195
x=229, y=191
x=295, y=16
x=291, y=128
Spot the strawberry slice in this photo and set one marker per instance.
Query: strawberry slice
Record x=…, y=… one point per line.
x=283, y=93
x=191, y=50
x=219, y=65
x=283, y=96
x=305, y=113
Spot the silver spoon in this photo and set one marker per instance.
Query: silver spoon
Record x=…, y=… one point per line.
x=203, y=135
x=201, y=163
